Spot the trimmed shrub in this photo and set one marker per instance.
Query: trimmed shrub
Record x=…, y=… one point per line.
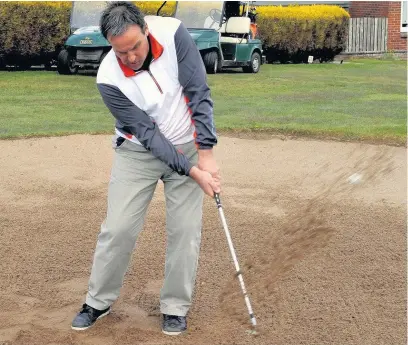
x=151, y=7
x=34, y=32
x=294, y=32
x=31, y=31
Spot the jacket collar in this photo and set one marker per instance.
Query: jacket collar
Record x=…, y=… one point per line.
x=157, y=51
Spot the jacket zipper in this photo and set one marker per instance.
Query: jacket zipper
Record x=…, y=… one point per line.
x=155, y=81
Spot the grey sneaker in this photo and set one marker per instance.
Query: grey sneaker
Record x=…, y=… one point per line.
x=174, y=325
x=87, y=317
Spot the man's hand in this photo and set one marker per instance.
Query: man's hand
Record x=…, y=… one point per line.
x=207, y=183
x=206, y=162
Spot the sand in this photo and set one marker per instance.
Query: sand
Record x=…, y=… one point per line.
x=323, y=259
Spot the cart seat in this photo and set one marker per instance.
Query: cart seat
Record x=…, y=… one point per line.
x=237, y=40
x=239, y=26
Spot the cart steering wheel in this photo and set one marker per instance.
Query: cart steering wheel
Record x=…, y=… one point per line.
x=215, y=14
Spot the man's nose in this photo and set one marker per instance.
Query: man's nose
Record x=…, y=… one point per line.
x=132, y=57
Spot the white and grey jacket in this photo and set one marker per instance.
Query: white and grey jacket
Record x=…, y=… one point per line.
x=170, y=104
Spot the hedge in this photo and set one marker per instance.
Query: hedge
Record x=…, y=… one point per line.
x=151, y=7
x=294, y=32
x=33, y=32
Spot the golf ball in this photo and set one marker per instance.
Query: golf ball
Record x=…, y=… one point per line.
x=355, y=178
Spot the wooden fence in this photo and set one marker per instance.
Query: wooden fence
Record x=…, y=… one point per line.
x=367, y=35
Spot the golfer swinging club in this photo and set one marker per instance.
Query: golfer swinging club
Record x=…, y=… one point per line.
x=153, y=81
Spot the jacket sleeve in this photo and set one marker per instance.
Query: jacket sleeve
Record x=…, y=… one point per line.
x=193, y=79
x=138, y=123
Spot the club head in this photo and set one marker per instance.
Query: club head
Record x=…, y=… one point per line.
x=252, y=332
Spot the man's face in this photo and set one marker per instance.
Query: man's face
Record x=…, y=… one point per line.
x=131, y=47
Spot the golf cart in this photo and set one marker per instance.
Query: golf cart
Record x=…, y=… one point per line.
x=86, y=47
x=224, y=32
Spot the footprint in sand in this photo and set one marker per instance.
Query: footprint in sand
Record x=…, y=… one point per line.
x=22, y=314
x=76, y=286
x=18, y=312
x=148, y=300
x=21, y=317
x=25, y=317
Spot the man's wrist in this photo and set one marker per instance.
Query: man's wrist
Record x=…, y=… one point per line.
x=205, y=152
x=194, y=172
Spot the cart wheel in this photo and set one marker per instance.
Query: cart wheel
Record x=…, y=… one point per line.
x=254, y=65
x=65, y=63
x=211, y=62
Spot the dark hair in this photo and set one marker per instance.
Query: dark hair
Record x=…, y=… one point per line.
x=118, y=16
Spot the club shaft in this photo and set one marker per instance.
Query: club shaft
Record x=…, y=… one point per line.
x=234, y=258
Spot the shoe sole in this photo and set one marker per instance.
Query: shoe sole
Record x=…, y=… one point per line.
x=85, y=328
x=172, y=333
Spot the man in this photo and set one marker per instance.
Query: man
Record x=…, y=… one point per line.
x=154, y=83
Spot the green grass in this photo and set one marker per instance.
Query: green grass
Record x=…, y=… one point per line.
x=362, y=99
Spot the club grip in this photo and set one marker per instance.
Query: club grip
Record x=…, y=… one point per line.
x=217, y=199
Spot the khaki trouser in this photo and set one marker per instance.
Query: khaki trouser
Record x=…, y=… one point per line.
x=134, y=177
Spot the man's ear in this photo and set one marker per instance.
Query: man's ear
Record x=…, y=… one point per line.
x=146, y=30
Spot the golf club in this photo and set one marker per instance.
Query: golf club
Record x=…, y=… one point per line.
x=234, y=257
